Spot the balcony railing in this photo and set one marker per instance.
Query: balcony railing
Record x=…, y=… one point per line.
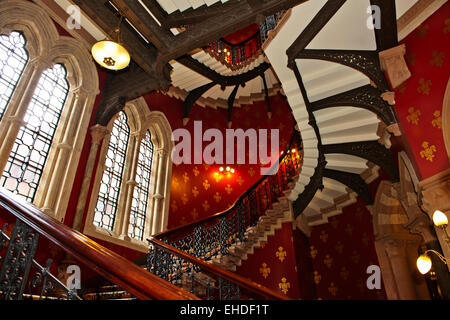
x=210, y=238
x=23, y=277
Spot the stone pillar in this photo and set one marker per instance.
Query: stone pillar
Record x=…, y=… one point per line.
x=158, y=198
x=397, y=254
x=17, y=108
x=133, y=157
x=98, y=133
x=435, y=195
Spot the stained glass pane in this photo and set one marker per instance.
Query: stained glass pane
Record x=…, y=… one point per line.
x=141, y=191
x=13, y=58
x=108, y=197
x=29, y=153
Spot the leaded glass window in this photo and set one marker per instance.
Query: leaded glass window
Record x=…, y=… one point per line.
x=141, y=191
x=13, y=58
x=31, y=147
x=108, y=197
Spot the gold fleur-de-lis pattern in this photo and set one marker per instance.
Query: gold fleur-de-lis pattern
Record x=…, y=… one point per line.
x=413, y=116
x=428, y=151
x=284, y=285
x=437, y=59
x=424, y=86
x=264, y=270
x=281, y=254
x=437, y=121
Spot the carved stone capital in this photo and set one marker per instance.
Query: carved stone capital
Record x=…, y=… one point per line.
x=389, y=97
x=421, y=225
x=98, y=132
x=393, y=62
x=435, y=192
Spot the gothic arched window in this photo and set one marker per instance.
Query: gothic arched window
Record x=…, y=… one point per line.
x=141, y=191
x=108, y=196
x=29, y=153
x=13, y=58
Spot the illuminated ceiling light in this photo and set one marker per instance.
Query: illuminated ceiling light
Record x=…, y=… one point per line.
x=221, y=169
x=111, y=54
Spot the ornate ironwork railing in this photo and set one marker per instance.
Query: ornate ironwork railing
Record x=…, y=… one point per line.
x=23, y=277
x=211, y=237
x=237, y=54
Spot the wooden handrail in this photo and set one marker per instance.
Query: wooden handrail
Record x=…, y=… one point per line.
x=242, y=282
x=230, y=209
x=113, y=267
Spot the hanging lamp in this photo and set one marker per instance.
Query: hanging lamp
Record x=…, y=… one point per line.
x=111, y=54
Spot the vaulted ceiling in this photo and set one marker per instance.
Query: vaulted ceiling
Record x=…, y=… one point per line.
x=321, y=55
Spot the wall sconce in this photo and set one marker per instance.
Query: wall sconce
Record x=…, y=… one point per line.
x=424, y=261
x=440, y=220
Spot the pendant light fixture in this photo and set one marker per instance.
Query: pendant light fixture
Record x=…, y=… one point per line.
x=111, y=54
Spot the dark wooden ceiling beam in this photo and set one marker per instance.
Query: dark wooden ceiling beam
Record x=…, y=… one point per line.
x=223, y=81
x=241, y=15
x=143, y=21
x=156, y=10
x=108, y=22
x=230, y=102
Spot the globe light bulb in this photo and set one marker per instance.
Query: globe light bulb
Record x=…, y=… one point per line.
x=440, y=219
x=424, y=264
x=110, y=55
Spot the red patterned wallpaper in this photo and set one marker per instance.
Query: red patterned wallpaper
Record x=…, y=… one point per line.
x=341, y=251
x=419, y=100
x=196, y=191
x=274, y=264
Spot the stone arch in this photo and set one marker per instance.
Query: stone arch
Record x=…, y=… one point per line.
x=446, y=119
x=45, y=48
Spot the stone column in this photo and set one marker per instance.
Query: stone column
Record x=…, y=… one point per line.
x=396, y=252
x=130, y=178
x=158, y=197
x=435, y=194
x=17, y=108
x=422, y=226
x=98, y=133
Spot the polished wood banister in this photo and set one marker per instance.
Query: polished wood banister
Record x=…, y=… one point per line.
x=113, y=267
x=230, y=209
x=242, y=282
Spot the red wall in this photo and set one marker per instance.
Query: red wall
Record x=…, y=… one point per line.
x=195, y=190
x=419, y=100
x=341, y=251
x=281, y=266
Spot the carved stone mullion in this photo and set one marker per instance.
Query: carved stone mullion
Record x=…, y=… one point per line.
x=126, y=197
x=98, y=132
x=17, y=108
x=160, y=183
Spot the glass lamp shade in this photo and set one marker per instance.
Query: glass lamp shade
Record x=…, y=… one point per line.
x=110, y=55
x=440, y=219
x=424, y=264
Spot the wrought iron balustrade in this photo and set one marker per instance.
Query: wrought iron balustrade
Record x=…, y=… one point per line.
x=22, y=276
x=212, y=237
x=240, y=53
